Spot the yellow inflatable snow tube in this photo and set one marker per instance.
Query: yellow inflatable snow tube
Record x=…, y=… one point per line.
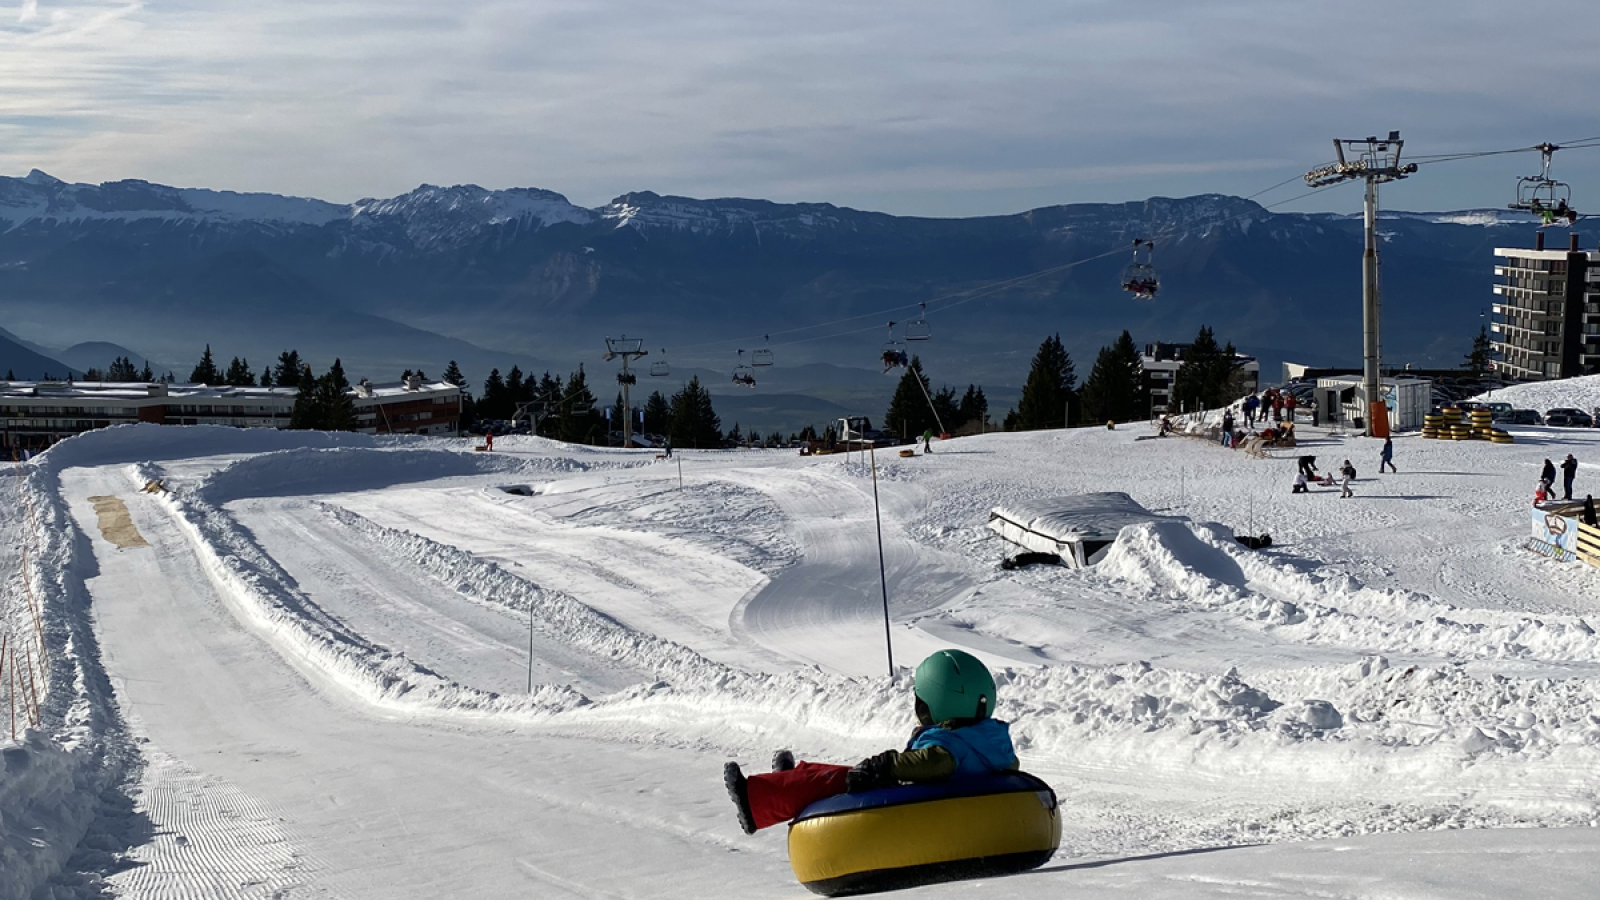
x=919, y=834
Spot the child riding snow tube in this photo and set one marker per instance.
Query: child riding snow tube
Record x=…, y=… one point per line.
x=915, y=834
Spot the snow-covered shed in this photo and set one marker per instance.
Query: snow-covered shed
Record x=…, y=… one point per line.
x=1078, y=527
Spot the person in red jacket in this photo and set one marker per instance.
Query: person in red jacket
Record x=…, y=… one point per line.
x=956, y=737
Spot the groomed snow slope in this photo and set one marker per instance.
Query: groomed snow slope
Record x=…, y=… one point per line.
x=1582, y=393
x=322, y=660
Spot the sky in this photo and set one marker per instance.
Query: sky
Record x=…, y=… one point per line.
x=915, y=108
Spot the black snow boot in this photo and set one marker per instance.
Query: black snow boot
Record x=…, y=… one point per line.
x=734, y=779
x=783, y=761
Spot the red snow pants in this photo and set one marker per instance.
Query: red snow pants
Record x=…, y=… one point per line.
x=779, y=796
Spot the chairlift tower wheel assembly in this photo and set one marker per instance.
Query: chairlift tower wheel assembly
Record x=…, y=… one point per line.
x=1374, y=161
x=627, y=349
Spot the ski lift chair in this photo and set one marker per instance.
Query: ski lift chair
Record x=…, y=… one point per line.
x=894, y=355
x=743, y=375
x=918, y=329
x=1140, y=278
x=761, y=356
x=659, y=368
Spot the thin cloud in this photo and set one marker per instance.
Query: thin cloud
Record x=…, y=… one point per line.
x=940, y=108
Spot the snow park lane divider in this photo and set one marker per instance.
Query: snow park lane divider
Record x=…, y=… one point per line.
x=317, y=470
x=317, y=644
x=1203, y=567
x=700, y=701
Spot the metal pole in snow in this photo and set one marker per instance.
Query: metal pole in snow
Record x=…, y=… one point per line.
x=680, y=473
x=530, y=645
x=883, y=579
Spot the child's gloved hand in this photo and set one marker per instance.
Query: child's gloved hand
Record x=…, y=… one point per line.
x=871, y=773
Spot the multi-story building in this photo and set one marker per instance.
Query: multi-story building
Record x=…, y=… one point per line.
x=1547, y=321
x=36, y=414
x=1161, y=362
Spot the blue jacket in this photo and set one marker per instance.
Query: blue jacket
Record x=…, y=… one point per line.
x=979, y=749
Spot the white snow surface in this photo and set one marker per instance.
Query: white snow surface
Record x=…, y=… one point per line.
x=314, y=680
x=1582, y=392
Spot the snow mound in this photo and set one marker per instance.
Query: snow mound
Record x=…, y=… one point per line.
x=1582, y=393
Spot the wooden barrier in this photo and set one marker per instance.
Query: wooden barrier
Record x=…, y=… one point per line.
x=1589, y=544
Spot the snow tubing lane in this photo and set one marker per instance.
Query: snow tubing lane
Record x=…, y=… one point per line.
x=921, y=834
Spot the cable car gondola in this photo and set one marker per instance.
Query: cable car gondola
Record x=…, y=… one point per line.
x=1543, y=196
x=894, y=353
x=659, y=368
x=1139, y=278
x=761, y=356
x=743, y=375
x=918, y=329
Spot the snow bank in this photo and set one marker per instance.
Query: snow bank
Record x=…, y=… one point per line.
x=53, y=781
x=1582, y=393
x=43, y=811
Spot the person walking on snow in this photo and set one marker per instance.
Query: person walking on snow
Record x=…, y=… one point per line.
x=1289, y=404
x=1349, y=473
x=1227, y=428
x=1569, y=471
x=1547, y=477
x=1251, y=403
x=1386, y=457
x=956, y=737
x=927, y=441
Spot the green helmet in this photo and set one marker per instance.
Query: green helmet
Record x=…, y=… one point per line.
x=953, y=684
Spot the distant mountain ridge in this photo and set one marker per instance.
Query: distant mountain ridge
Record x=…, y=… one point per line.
x=523, y=276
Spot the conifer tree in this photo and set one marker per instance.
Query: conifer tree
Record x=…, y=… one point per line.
x=1115, y=389
x=11, y=375
x=657, y=414
x=694, y=422
x=239, y=374
x=145, y=374
x=908, y=415
x=580, y=421
x=452, y=375
x=494, y=402
x=266, y=377
x=206, y=372
x=333, y=396
x=1206, y=379
x=287, y=374
x=1048, y=391
x=122, y=370
x=1480, y=358
x=974, y=406
x=307, y=412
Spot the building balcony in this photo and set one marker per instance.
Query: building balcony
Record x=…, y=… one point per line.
x=1511, y=290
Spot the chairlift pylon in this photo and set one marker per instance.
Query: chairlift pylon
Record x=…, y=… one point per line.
x=894, y=353
x=659, y=368
x=918, y=329
x=762, y=356
x=743, y=375
x=1139, y=278
x=1543, y=196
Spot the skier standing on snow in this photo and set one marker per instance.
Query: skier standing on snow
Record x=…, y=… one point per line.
x=956, y=736
x=1569, y=471
x=1386, y=458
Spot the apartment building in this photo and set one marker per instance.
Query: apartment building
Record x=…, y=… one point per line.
x=1547, y=316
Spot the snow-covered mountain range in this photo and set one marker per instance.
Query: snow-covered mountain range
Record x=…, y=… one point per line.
x=463, y=271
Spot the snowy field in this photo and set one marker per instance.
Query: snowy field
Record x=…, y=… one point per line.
x=311, y=672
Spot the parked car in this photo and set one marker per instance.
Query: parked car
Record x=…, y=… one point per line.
x=1567, y=417
x=1526, y=417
